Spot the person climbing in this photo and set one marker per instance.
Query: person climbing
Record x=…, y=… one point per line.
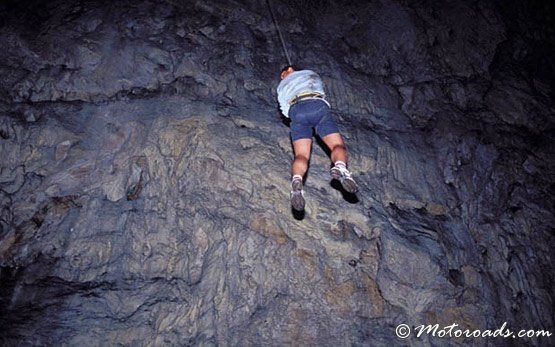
x=301, y=98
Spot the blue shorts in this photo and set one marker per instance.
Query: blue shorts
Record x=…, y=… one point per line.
x=308, y=114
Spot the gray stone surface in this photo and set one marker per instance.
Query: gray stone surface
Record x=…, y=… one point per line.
x=144, y=177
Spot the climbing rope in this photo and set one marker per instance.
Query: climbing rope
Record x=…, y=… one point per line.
x=279, y=33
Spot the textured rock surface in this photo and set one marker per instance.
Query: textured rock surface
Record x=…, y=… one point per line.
x=144, y=177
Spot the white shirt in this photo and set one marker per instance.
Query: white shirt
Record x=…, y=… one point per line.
x=296, y=83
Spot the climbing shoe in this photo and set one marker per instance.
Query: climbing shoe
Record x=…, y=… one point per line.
x=297, y=194
x=339, y=172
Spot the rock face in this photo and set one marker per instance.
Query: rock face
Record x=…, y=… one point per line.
x=144, y=184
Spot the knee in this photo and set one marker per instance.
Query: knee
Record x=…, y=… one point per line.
x=338, y=147
x=301, y=157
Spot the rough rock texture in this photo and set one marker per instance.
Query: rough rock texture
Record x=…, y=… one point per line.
x=144, y=175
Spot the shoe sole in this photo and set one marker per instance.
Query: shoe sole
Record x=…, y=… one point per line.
x=297, y=201
x=348, y=184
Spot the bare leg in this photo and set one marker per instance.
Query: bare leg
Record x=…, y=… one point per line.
x=337, y=147
x=339, y=154
x=299, y=166
x=302, y=149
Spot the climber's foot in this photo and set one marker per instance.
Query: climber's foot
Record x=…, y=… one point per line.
x=297, y=195
x=342, y=174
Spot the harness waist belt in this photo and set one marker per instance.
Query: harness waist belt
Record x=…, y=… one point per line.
x=304, y=96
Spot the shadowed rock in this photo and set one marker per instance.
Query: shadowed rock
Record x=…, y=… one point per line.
x=144, y=183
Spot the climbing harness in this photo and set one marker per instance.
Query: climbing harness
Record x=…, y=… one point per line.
x=279, y=33
x=307, y=95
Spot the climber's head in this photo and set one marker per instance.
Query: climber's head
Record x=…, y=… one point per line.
x=286, y=71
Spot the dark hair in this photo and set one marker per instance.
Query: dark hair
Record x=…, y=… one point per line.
x=287, y=67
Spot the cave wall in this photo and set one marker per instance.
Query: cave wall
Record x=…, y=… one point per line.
x=144, y=180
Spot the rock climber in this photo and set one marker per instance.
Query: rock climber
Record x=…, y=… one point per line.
x=302, y=99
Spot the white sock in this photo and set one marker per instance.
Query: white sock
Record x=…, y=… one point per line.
x=340, y=163
x=297, y=177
